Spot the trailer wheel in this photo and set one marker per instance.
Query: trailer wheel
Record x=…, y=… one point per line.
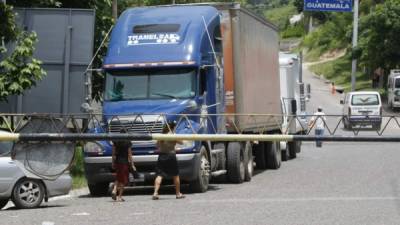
x=261, y=163
x=273, y=155
x=292, y=147
x=200, y=185
x=235, y=163
x=285, y=153
x=248, y=159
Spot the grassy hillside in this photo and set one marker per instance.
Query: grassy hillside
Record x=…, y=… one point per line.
x=339, y=71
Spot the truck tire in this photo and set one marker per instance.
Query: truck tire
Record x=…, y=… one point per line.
x=235, y=163
x=28, y=193
x=273, y=155
x=98, y=189
x=285, y=153
x=261, y=163
x=248, y=159
x=3, y=202
x=200, y=185
x=292, y=147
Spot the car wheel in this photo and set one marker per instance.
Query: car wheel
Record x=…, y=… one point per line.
x=98, y=189
x=3, y=202
x=28, y=193
x=203, y=177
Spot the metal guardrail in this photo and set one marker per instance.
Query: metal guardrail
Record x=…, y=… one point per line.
x=39, y=124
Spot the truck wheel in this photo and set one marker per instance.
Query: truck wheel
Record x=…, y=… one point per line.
x=28, y=193
x=235, y=163
x=200, y=185
x=292, y=147
x=98, y=189
x=3, y=202
x=273, y=155
x=261, y=163
x=285, y=153
x=248, y=159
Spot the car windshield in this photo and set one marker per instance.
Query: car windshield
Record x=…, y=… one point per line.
x=5, y=148
x=365, y=99
x=153, y=83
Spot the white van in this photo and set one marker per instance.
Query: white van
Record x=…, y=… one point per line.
x=362, y=108
x=393, y=87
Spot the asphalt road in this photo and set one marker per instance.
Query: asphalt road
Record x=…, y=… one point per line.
x=341, y=183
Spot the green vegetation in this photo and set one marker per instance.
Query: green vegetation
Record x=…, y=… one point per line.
x=78, y=182
x=378, y=45
x=339, y=71
x=18, y=69
x=280, y=16
x=77, y=170
x=334, y=34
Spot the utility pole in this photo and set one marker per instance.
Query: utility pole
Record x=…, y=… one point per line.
x=355, y=37
x=115, y=9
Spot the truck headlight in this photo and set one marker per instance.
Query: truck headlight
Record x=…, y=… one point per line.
x=93, y=148
x=184, y=145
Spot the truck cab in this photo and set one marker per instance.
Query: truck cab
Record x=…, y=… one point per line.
x=180, y=63
x=293, y=100
x=161, y=63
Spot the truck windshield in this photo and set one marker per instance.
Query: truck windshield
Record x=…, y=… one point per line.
x=154, y=83
x=365, y=99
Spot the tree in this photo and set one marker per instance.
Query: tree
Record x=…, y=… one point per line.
x=18, y=69
x=379, y=43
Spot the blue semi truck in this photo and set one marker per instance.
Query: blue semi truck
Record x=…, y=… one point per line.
x=204, y=60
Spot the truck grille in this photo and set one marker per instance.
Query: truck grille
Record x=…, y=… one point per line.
x=135, y=126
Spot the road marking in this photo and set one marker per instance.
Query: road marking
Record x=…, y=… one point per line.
x=315, y=199
x=47, y=223
x=80, y=214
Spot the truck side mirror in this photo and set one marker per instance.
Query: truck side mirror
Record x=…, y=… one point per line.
x=293, y=106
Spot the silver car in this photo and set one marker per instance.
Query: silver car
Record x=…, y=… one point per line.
x=23, y=191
